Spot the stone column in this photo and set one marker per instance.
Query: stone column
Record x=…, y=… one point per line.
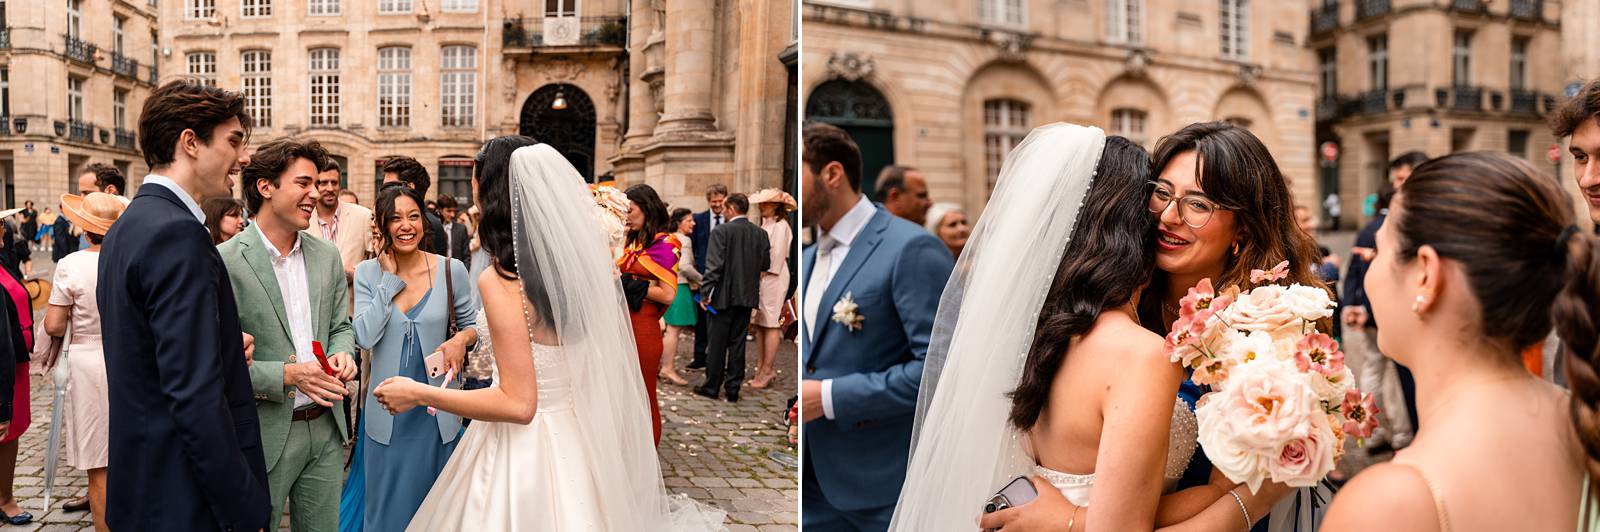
x=691, y=44
x=641, y=106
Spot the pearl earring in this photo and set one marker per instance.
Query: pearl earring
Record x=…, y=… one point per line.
x=1416, y=307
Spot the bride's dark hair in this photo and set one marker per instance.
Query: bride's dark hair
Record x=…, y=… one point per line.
x=1512, y=230
x=1111, y=253
x=492, y=170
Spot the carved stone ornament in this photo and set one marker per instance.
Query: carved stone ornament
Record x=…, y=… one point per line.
x=1136, y=63
x=1248, y=74
x=850, y=66
x=509, y=83
x=1013, y=46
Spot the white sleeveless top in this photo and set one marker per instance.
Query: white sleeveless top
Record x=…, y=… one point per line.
x=1183, y=438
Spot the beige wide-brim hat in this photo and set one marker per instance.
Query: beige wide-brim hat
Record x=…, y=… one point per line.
x=773, y=195
x=93, y=213
x=9, y=212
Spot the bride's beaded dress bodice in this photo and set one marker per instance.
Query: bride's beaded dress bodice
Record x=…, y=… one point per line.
x=1183, y=438
x=551, y=374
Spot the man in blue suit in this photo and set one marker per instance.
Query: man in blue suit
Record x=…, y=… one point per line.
x=872, y=286
x=700, y=239
x=185, y=443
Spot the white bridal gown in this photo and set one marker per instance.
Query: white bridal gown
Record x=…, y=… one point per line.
x=1183, y=437
x=506, y=476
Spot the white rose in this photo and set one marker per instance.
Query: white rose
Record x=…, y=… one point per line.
x=1262, y=309
x=1308, y=303
x=1331, y=388
x=1246, y=425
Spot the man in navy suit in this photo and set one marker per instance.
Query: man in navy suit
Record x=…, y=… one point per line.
x=872, y=286
x=704, y=222
x=185, y=442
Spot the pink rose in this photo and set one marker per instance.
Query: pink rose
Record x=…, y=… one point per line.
x=1361, y=413
x=1302, y=462
x=1262, y=309
x=1278, y=272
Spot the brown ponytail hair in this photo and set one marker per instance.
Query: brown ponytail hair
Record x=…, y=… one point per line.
x=1530, y=268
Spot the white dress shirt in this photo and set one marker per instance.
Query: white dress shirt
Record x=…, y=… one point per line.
x=295, y=289
x=844, y=232
x=183, y=195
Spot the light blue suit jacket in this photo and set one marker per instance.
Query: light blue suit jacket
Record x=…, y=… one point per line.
x=382, y=327
x=895, y=272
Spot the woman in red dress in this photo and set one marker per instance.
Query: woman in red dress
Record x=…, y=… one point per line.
x=649, y=265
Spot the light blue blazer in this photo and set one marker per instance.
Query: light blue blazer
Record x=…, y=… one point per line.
x=895, y=272
x=381, y=327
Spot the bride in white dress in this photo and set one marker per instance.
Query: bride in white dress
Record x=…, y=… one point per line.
x=562, y=441
x=1038, y=364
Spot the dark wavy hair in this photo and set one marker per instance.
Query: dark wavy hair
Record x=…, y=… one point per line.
x=106, y=176
x=271, y=160
x=1112, y=252
x=385, y=213
x=181, y=105
x=1512, y=229
x=1238, y=173
x=655, y=214
x=492, y=170
x=677, y=217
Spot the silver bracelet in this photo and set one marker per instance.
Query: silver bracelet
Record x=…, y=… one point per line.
x=1247, y=522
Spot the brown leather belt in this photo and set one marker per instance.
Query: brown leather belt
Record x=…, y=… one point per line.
x=308, y=414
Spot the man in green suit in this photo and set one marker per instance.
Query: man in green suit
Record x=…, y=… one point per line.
x=291, y=292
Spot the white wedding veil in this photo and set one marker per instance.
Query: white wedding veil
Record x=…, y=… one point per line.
x=569, y=279
x=963, y=447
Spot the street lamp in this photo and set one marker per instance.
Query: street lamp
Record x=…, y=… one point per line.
x=560, y=102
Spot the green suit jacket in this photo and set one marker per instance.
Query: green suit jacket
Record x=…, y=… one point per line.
x=261, y=313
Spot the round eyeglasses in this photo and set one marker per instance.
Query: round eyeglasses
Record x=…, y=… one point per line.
x=1195, y=211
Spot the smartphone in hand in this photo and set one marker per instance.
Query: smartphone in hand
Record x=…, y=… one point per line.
x=1018, y=492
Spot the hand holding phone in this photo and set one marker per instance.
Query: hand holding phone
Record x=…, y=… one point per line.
x=435, y=364
x=1018, y=492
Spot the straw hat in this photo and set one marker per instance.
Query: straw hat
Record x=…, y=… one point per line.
x=93, y=213
x=772, y=195
x=8, y=212
x=38, y=292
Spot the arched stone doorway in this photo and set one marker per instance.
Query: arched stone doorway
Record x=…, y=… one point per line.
x=563, y=116
x=864, y=113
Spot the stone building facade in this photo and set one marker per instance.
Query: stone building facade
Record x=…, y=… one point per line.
x=433, y=79
x=1433, y=75
x=73, y=76
x=949, y=88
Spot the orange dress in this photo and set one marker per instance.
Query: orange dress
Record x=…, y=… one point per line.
x=657, y=261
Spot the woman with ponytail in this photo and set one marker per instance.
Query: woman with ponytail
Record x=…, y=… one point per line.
x=1478, y=259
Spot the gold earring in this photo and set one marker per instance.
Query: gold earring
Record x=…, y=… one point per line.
x=1235, y=249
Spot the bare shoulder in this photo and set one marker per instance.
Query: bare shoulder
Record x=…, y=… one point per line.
x=1131, y=342
x=1383, y=497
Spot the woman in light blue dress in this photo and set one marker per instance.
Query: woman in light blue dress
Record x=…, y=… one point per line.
x=404, y=300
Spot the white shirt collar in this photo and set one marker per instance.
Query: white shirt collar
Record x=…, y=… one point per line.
x=272, y=250
x=850, y=225
x=183, y=195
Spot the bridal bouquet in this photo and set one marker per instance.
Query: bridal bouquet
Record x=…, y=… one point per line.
x=612, y=206
x=1282, y=399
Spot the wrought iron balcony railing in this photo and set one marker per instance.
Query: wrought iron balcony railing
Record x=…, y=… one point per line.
x=124, y=66
x=1524, y=101
x=80, y=131
x=1325, y=18
x=125, y=139
x=1375, y=101
x=1527, y=9
x=592, y=31
x=1366, y=9
x=1474, y=6
x=5, y=38
x=1467, y=98
x=80, y=51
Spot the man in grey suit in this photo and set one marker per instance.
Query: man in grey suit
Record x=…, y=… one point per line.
x=872, y=286
x=737, y=254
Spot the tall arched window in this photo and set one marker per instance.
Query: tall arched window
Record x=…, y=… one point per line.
x=394, y=87
x=1005, y=124
x=324, y=71
x=458, y=85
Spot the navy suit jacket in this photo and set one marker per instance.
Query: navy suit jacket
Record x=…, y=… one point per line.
x=185, y=442
x=700, y=238
x=895, y=272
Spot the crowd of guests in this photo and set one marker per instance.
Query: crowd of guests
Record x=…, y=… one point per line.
x=333, y=297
